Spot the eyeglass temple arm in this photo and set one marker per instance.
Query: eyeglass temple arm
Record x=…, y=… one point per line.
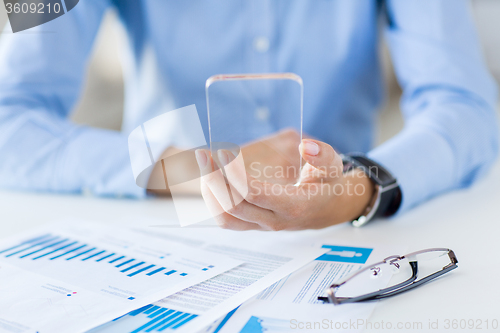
x=446, y=269
x=341, y=300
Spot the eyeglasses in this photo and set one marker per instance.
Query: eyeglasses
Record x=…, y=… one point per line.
x=404, y=272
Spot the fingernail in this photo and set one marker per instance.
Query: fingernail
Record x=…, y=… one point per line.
x=201, y=158
x=310, y=147
x=223, y=157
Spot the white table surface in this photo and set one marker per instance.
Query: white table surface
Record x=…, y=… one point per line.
x=465, y=221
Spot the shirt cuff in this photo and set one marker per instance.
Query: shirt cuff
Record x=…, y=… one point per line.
x=421, y=161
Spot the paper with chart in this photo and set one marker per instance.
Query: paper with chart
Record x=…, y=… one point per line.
x=73, y=277
x=266, y=261
x=291, y=304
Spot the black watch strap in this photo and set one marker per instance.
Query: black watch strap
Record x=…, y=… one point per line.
x=388, y=193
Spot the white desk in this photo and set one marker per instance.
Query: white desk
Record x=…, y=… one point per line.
x=465, y=221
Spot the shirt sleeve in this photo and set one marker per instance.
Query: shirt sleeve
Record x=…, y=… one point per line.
x=450, y=137
x=41, y=75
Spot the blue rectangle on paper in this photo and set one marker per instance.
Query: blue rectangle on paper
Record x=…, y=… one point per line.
x=141, y=270
x=184, y=321
x=44, y=248
x=65, y=253
x=56, y=250
x=156, y=322
x=114, y=260
x=151, y=310
x=131, y=267
x=173, y=322
x=79, y=254
x=156, y=271
x=140, y=310
x=29, y=241
x=355, y=255
x=93, y=255
x=109, y=255
x=161, y=325
x=157, y=312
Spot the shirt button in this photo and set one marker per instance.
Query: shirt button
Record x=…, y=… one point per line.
x=261, y=44
x=262, y=113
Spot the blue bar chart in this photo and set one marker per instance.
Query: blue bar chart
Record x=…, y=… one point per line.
x=73, y=276
x=53, y=247
x=150, y=318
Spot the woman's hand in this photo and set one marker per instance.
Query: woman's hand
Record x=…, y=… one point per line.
x=263, y=157
x=324, y=197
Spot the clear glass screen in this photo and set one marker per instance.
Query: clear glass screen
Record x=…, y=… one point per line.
x=262, y=115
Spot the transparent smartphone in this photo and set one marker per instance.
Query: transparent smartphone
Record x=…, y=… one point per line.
x=246, y=111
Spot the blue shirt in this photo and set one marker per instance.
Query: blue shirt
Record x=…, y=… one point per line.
x=449, y=139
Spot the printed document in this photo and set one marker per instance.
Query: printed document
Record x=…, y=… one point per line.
x=266, y=261
x=72, y=277
x=291, y=304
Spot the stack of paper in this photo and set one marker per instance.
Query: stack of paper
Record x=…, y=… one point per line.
x=76, y=277
x=73, y=277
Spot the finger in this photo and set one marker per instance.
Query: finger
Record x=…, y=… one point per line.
x=223, y=219
x=264, y=195
x=214, y=180
x=231, y=200
x=204, y=161
x=322, y=161
x=248, y=212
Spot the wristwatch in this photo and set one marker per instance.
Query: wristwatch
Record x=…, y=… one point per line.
x=387, y=196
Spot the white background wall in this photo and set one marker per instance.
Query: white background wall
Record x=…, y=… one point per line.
x=101, y=103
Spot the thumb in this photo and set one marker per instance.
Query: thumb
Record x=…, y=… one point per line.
x=323, y=162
